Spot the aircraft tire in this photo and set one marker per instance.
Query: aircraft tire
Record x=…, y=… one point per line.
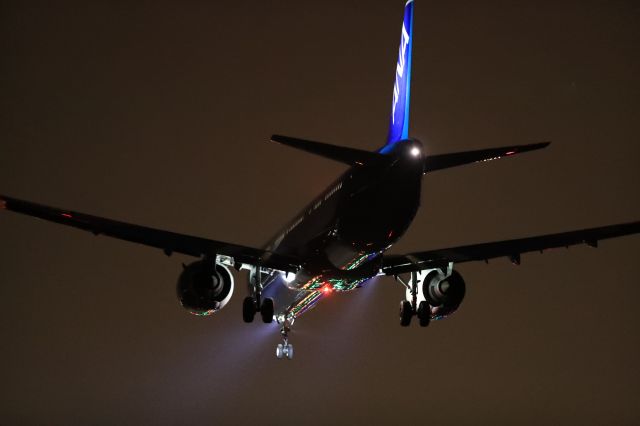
x=424, y=314
x=406, y=312
x=279, y=351
x=289, y=351
x=248, y=309
x=267, y=310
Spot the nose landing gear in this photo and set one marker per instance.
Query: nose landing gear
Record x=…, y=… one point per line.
x=285, y=349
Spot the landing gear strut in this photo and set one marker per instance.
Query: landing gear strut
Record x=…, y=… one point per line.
x=254, y=303
x=285, y=349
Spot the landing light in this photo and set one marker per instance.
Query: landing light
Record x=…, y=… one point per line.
x=288, y=276
x=415, y=151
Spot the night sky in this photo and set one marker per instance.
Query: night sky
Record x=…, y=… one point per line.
x=160, y=114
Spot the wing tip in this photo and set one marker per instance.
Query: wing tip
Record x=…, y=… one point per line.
x=279, y=139
x=526, y=148
x=538, y=145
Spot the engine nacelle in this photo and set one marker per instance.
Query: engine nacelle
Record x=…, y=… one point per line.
x=204, y=287
x=444, y=296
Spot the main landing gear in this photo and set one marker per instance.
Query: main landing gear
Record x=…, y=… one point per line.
x=285, y=349
x=254, y=303
x=407, y=312
x=416, y=303
x=251, y=306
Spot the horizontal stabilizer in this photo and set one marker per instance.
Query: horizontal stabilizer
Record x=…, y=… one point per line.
x=350, y=156
x=444, y=161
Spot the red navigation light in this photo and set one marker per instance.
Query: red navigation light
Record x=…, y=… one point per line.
x=510, y=153
x=67, y=215
x=327, y=289
x=3, y=204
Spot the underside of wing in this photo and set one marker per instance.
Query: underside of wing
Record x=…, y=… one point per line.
x=393, y=265
x=167, y=241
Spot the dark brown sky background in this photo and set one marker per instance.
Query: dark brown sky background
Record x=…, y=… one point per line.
x=159, y=113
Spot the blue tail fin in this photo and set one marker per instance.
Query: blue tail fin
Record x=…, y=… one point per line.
x=399, y=126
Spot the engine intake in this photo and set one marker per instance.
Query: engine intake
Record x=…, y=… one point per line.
x=204, y=287
x=444, y=296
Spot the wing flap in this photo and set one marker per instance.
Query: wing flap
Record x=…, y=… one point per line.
x=512, y=249
x=166, y=240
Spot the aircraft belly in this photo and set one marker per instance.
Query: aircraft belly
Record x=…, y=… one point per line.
x=289, y=302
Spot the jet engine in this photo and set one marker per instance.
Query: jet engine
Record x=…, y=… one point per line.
x=444, y=296
x=204, y=287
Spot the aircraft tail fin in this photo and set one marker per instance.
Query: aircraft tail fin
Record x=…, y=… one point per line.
x=350, y=156
x=399, y=126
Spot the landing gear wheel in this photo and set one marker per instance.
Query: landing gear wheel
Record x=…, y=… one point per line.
x=424, y=314
x=266, y=311
x=249, y=309
x=288, y=351
x=279, y=351
x=406, y=312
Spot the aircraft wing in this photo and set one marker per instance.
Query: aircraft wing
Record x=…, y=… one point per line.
x=168, y=241
x=398, y=264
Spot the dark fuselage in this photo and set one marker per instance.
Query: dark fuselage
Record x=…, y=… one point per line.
x=341, y=234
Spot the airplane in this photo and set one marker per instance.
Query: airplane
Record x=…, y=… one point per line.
x=339, y=241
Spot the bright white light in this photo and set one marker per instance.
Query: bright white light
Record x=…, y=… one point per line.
x=288, y=276
x=415, y=151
